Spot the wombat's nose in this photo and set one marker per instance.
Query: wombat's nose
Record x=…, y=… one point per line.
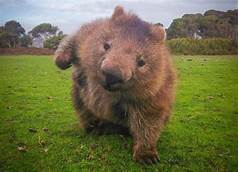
x=112, y=77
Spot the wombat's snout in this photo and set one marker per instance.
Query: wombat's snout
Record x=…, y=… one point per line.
x=113, y=79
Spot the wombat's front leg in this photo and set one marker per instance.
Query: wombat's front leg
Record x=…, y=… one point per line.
x=145, y=130
x=65, y=53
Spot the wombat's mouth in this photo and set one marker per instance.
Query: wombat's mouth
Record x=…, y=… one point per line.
x=112, y=87
x=113, y=83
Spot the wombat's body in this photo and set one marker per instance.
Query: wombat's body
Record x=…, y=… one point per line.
x=123, y=79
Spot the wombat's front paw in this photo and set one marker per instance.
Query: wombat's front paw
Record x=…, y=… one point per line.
x=148, y=157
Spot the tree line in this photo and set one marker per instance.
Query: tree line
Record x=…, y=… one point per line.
x=13, y=35
x=211, y=24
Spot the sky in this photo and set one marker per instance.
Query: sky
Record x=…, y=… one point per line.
x=69, y=15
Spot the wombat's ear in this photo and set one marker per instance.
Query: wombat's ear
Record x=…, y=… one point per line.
x=65, y=53
x=118, y=12
x=158, y=33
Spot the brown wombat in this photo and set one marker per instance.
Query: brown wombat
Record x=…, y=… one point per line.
x=123, y=79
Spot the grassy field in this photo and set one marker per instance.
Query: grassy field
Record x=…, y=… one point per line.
x=39, y=131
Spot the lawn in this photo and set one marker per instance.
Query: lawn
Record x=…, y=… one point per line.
x=39, y=129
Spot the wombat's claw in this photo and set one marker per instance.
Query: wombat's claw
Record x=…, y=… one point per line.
x=148, y=159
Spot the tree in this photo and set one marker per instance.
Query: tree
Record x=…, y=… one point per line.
x=14, y=28
x=5, y=38
x=44, y=30
x=14, y=32
x=53, y=42
x=184, y=27
x=26, y=41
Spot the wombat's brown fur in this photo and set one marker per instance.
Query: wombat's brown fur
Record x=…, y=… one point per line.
x=123, y=79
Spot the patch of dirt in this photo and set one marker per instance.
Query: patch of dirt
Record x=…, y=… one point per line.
x=26, y=51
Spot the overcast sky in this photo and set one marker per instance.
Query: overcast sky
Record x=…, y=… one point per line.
x=68, y=15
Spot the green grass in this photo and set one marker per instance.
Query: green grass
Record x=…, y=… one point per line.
x=201, y=135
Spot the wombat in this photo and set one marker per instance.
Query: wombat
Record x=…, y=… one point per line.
x=123, y=79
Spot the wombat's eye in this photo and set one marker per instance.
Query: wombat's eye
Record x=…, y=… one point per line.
x=106, y=46
x=140, y=61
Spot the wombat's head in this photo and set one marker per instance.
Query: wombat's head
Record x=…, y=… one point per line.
x=122, y=52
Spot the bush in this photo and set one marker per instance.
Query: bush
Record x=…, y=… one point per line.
x=210, y=46
x=53, y=42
